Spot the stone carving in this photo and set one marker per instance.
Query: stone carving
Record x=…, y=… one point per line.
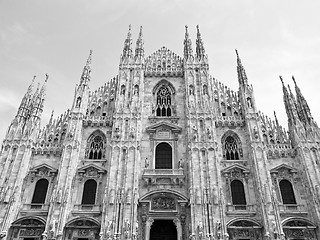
x=146, y=163
x=180, y=164
x=163, y=203
x=200, y=230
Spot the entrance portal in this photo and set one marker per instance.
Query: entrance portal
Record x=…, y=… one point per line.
x=163, y=230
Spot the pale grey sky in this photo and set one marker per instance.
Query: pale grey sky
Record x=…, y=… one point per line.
x=273, y=38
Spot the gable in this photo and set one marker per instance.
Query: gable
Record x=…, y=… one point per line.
x=164, y=62
x=43, y=170
x=91, y=170
x=163, y=127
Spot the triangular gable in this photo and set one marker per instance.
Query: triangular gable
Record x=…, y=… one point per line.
x=90, y=168
x=164, y=125
x=164, y=62
x=284, y=167
x=235, y=167
x=44, y=168
x=164, y=51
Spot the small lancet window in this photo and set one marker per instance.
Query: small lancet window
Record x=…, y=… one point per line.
x=136, y=90
x=191, y=90
x=123, y=90
x=78, y=103
x=163, y=102
x=231, y=149
x=96, y=148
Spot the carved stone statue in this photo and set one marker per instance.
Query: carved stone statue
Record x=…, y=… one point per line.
x=146, y=163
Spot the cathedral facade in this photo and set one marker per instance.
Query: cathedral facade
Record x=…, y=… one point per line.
x=161, y=151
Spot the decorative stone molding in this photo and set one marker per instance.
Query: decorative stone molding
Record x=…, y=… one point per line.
x=229, y=121
x=163, y=176
x=43, y=171
x=91, y=171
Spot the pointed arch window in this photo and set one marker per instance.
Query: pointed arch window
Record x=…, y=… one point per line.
x=40, y=192
x=96, y=148
x=231, y=149
x=163, y=156
x=89, y=192
x=237, y=193
x=287, y=192
x=164, y=107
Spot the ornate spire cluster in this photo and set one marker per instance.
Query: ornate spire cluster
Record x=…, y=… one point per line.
x=127, y=54
x=200, y=52
x=101, y=100
x=187, y=45
x=297, y=107
x=139, y=53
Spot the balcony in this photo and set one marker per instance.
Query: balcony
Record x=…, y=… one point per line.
x=241, y=209
x=86, y=208
x=163, y=176
x=293, y=208
x=38, y=208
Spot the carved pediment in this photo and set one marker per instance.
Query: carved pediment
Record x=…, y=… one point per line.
x=235, y=171
x=43, y=170
x=164, y=126
x=283, y=170
x=91, y=170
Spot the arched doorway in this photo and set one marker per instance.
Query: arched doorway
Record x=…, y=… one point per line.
x=163, y=230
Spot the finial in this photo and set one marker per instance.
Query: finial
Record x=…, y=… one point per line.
x=281, y=80
x=129, y=32
x=89, y=58
x=275, y=117
x=198, y=32
x=34, y=77
x=237, y=53
x=47, y=77
x=294, y=80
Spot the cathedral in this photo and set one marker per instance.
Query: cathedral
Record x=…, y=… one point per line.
x=163, y=151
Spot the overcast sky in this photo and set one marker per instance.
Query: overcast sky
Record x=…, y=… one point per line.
x=273, y=38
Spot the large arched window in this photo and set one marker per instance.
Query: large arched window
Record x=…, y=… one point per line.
x=40, y=192
x=163, y=156
x=237, y=193
x=89, y=192
x=163, y=107
x=287, y=192
x=96, y=147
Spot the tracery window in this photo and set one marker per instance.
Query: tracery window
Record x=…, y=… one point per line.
x=231, y=149
x=40, y=191
x=89, y=192
x=96, y=148
x=163, y=107
x=287, y=193
x=163, y=156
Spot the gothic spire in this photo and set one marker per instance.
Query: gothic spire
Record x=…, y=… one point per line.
x=127, y=49
x=85, y=77
x=25, y=105
x=289, y=104
x=139, y=45
x=187, y=45
x=242, y=76
x=199, y=45
x=302, y=105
